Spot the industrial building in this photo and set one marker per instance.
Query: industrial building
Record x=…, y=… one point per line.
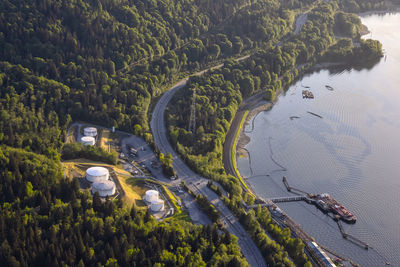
x=104, y=188
x=90, y=131
x=151, y=195
x=157, y=205
x=97, y=174
x=88, y=140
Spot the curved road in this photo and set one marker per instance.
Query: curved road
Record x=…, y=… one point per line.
x=198, y=184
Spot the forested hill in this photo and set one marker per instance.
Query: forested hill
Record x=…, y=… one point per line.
x=48, y=221
x=103, y=61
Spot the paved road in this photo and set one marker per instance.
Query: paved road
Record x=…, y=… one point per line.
x=300, y=21
x=197, y=183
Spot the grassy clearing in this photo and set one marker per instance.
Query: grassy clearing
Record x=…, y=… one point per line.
x=107, y=139
x=134, y=188
x=233, y=150
x=104, y=139
x=71, y=170
x=88, y=163
x=179, y=216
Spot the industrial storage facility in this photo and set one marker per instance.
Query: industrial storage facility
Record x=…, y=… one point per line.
x=105, y=188
x=88, y=140
x=90, y=131
x=151, y=195
x=157, y=205
x=97, y=174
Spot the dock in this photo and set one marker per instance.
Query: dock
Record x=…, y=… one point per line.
x=287, y=199
x=273, y=200
x=281, y=218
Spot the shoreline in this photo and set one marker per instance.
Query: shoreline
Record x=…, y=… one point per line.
x=243, y=139
x=254, y=105
x=390, y=9
x=236, y=137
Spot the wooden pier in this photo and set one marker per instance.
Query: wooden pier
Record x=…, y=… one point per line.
x=287, y=199
x=292, y=189
x=284, y=220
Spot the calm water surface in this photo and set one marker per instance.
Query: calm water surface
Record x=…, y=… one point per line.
x=352, y=153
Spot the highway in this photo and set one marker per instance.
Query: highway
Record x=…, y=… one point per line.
x=198, y=184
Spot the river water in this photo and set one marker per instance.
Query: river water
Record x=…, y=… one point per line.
x=352, y=152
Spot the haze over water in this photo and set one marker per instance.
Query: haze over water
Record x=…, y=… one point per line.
x=352, y=153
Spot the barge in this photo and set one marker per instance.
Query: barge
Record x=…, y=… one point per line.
x=324, y=202
x=307, y=94
x=328, y=204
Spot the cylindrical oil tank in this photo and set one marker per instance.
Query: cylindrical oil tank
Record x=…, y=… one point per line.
x=97, y=174
x=151, y=195
x=88, y=140
x=90, y=131
x=105, y=188
x=157, y=205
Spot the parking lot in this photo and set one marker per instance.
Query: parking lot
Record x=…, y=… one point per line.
x=144, y=159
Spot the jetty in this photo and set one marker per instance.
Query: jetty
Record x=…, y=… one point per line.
x=274, y=200
x=282, y=219
x=350, y=237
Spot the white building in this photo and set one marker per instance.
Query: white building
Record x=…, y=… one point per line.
x=157, y=205
x=90, y=131
x=88, y=140
x=105, y=188
x=97, y=174
x=151, y=195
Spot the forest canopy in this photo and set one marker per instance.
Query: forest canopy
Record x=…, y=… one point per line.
x=105, y=61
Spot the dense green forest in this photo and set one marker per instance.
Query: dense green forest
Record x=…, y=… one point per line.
x=103, y=62
x=47, y=221
x=95, y=153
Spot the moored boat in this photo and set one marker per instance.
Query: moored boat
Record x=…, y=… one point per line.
x=328, y=204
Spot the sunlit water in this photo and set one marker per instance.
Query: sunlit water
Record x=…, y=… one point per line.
x=352, y=153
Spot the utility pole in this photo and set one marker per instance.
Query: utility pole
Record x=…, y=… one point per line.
x=192, y=121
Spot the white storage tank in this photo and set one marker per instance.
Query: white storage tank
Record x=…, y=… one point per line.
x=88, y=140
x=157, y=205
x=151, y=195
x=97, y=174
x=105, y=188
x=90, y=131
